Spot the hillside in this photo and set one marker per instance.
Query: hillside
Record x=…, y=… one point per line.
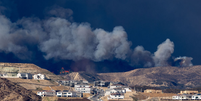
x=82, y=76
x=173, y=77
x=186, y=77
x=10, y=91
x=13, y=68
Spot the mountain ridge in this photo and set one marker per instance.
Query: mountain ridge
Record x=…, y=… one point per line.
x=165, y=77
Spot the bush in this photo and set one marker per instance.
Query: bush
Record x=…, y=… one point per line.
x=38, y=88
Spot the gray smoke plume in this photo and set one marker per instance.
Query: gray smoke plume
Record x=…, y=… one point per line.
x=77, y=41
x=163, y=53
x=141, y=57
x=58, y=38
x=60, y=12
x=183, y=61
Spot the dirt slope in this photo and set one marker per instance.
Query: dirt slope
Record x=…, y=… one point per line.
x=10, y=91
x=82, y=76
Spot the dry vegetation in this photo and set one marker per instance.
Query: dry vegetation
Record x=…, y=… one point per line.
x=32, y=84
x=27, y=68
x=10, y=91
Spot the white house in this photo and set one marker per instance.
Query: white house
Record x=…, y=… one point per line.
x=115, y=90
x=116, y=86
x=182, y=97
x=59, y=93
x=116, y=96
x=101, y=83
x=83, y=88
x=128, y=89
x=196, y=96
x=3, y=74
x=24, y=75
x=39, y=76
x=118, y=90
x=67, y=93
x=107, y=92
x=46, y=93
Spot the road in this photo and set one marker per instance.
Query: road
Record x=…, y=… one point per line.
x=99, y=94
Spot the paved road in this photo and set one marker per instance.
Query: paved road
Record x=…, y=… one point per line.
x=99, y=94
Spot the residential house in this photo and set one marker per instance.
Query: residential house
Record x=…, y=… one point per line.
x=116, y=86
x=182, y=97
x=128, y=89
x=39, y=76
x=46, y=93
x=196, y=97
x=101, y=83
x=83, y=88
x=81, y=82
x=118, y=90
x=70, y=83
x=152, y=91
x=189, y=92
x=67, y=93
x=3, y=74
x=116, y=96
x=59, y=93
x=24, y=75
x=107, y=92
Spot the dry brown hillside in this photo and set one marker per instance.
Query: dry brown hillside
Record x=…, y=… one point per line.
x=82, y=76
x=175, y=77
x=14, y=68
x=10, y=91
x=159, y=76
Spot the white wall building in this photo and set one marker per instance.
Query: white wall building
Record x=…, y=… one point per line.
x=196, y=96
x=39, y=76
x=116, y=86
x=182, y=97
x=46, y=93
x=127, y=89
x=67, y=93
x=117, y=90
x=83, y=88
x=59, y=93
x=24, y=75
x=116, y=96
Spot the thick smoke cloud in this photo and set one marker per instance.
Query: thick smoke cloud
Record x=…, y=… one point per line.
x=78, y=41
x=163, y=53
x=141, y=57
x=58, y=38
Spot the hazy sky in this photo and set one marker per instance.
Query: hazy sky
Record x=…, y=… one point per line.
x=147, y=23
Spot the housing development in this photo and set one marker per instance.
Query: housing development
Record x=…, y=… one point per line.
x=98, y=90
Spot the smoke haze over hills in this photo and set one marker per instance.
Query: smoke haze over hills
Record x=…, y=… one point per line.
x=57, y=38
